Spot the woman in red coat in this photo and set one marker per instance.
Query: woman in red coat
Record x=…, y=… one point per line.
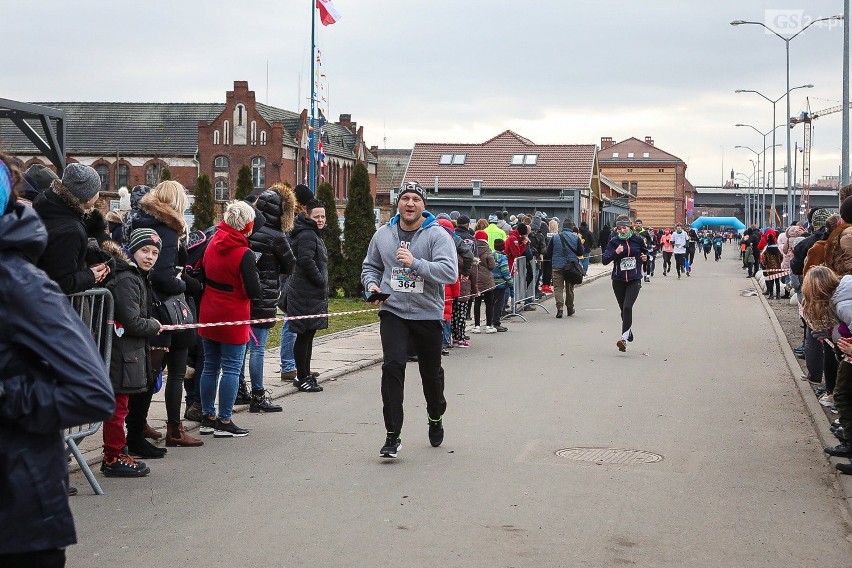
x=232, y=283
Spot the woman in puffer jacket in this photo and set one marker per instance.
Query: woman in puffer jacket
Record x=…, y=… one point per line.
x=162, y=209
x=483, y=285
x=276, y=206
x=307, y=290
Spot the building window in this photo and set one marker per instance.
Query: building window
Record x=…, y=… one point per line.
x=629, y=154
x=452, y=159
x=123, y=175
x=263, y=137
x=625, y=185
x=629, y=170
x=258, y=173
x=615, y=154
x=524, y=159
x=152, y=174
x=253, y=132
x=221, y=189
x=662, y=170
x=216, y=136
x=633, y=187
x=226, y=133
x=103, y=173
x=240, y=111
x=646, y=154
x=220, y=164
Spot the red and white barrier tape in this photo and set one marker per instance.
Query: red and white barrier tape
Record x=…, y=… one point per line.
x=263, y=320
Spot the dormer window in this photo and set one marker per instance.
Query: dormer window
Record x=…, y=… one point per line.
x=629, y=154
x=524, y=159
x=452, y=159
x=615, y=154
x=646, y=154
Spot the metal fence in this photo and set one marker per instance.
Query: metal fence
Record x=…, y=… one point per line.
x=525, y=287
x=95, y=308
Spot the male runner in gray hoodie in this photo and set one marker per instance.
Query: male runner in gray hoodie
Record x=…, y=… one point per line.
x=412, y=258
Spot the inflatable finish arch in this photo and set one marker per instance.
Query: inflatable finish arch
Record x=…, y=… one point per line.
x=718, y=222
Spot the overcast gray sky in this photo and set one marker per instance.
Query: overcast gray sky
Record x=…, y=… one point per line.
x=554, y=71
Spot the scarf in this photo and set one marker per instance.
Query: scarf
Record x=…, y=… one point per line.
x=625, y=237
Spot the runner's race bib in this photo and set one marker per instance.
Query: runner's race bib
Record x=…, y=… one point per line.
x=404, y=280
x=628, y=263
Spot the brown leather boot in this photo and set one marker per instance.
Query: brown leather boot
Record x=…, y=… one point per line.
x=150, y=433
x=176, y=436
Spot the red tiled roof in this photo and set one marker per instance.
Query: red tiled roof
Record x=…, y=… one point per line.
x=638, y=148
x=557, y=167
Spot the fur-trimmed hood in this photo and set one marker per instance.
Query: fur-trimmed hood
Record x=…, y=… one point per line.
x=65, y=196
x=115, y=250
x=838, y=249
x=163, y=213
x=278, y=205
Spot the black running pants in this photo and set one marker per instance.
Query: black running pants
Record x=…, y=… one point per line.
x=426, y=336
x=626, y=294
x=303, y=349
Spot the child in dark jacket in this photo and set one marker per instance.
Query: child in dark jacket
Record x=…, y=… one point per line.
x=130, y=370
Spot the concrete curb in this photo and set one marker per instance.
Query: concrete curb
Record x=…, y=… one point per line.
x=843, y=483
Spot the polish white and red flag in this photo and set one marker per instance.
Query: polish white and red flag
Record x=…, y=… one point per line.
x=328, y=13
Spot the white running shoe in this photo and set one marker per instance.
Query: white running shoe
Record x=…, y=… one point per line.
x=490, y=329
x=476, y=329
x=827, y=400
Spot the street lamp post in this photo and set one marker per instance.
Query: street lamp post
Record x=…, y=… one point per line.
x=787, y=94
x=762, y=203
x=786, y=41
x=749, y=196
x=764, y=134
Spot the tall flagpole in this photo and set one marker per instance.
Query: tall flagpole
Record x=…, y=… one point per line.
x=312, y=172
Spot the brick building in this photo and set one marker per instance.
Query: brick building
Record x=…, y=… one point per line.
x=132, y=143
x=656, y=178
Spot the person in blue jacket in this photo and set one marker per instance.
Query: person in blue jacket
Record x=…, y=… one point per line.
x=628, y=252
x=51, y=377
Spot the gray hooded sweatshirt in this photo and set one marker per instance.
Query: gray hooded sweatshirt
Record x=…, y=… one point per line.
x=434, y=260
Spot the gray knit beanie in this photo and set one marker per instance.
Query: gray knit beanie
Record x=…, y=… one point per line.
x=82, y=181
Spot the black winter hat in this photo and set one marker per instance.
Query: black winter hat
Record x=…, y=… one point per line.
x=303, y=194
x=523, y=229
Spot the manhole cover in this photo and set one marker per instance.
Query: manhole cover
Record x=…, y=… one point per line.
x=609, y=455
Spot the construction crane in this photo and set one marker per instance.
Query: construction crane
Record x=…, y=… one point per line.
x=807, y=117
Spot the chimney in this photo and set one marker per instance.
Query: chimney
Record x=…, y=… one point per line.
x=649, y=140
x=346, y=120
x=606, y=142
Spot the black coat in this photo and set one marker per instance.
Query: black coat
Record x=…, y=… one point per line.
x=64, y=259
x=169, y=225
x=307, y=288
x=53, y=377
x=129, y=370
x=269, y=243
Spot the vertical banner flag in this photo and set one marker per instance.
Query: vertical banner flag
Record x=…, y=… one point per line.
x=328, y=13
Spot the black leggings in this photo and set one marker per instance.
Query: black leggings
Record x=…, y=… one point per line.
x=667, y=262
x=175, y=360
x=626, y=294
x=486, y=298
x=302, y=350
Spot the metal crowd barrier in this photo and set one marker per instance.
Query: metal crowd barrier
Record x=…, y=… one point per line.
x=524, y=293
x=95, y=308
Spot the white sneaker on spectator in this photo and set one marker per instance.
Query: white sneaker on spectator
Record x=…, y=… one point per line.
x=476, y=329
x=827, y=400
x=490, y=329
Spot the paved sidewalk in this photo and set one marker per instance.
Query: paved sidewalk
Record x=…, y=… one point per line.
x=334, y=355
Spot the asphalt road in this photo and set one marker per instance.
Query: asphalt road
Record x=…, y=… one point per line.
x=742, y=480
